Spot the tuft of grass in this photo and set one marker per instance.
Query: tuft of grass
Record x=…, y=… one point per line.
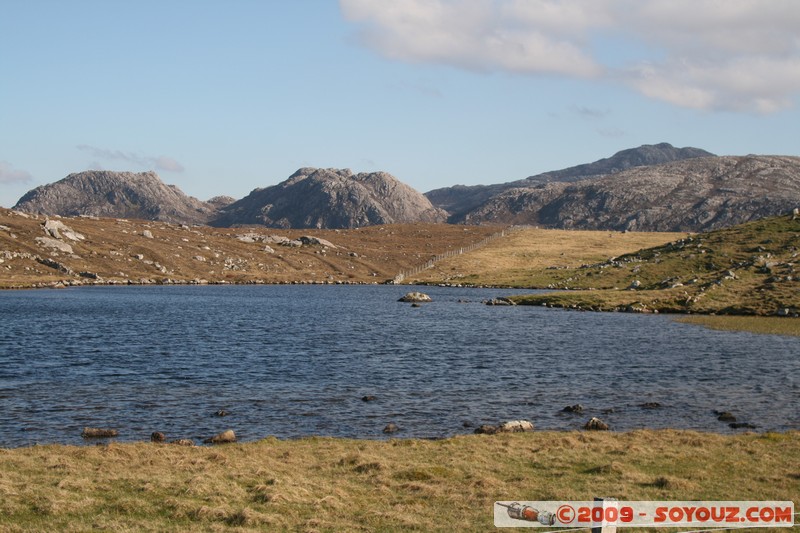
x=327, y=484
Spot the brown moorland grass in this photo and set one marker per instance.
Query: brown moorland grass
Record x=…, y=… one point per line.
x=747, y=269
x=536, y=258
x=324, y=484
x=117, y=251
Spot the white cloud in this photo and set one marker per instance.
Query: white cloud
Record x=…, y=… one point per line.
x=9, y=174
x=740, y=55
x=479, y=35
x=162, y=162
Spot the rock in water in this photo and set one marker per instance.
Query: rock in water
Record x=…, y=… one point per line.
x=595, y=424
x=391, y=427
x=225, y=437
x=512, y=426
x=515, y=426
x=415, y=297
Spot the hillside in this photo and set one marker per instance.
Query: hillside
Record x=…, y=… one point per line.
x=460, y=200
x=117, y=195
x=36, y=251
x=697, y=194
x=331, y=198
x=748, y=269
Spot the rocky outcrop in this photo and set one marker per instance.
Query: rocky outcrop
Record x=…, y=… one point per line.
x=512, y=426
x=331, y=198
x=117, y=195
x=416, y=297
x=461, y=200
x=693, y=195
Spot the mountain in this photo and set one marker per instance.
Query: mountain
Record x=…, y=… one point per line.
x=461, y=199
x=116, y=195
x=691, y=195
x=331, y=198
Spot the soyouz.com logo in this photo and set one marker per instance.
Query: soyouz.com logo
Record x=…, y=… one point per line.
x=576, y=514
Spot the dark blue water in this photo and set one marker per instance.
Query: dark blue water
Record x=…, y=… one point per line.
x=292, y=361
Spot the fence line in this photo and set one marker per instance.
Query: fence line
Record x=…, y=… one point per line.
x=399, y=278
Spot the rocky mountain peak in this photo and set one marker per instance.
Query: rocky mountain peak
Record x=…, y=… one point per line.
x=331, y=198
x=111, y=194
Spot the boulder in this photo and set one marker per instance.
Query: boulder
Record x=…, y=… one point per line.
x=500, y=301
x=316, y=241
x=182, y=442
x=368, y=398
x=515, y=426
x=157, y=436
x=725, y=416
x=391, y=427
x=225, y=437
x=57, y=230
x=577, y=409
x=49, y=242
x=595, y=424
x=147, y=234
x=415, y=297
x=512, y=426
x=742, y=425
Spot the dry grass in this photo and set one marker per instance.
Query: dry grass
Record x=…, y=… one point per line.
x=322, y=484
x=744, y=270
x=536, y=257
x=112, y=249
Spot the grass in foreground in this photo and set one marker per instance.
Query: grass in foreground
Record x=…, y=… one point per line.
x=322, y=484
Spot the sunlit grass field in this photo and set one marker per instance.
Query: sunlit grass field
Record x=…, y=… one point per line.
x=323, y=484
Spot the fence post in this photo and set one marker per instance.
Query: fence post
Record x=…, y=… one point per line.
x=605, y=503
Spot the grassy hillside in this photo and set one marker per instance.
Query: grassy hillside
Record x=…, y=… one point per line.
x=118, y=251
x=321, y=484
x=747, y=269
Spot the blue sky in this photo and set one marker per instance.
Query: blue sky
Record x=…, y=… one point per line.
x=224, y=97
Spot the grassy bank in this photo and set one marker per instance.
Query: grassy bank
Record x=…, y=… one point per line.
x=744, y=270
x=321, y=484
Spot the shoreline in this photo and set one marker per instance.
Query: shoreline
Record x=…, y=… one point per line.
x=206, y=443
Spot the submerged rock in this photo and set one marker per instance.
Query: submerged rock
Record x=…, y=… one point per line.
x=725, y=416
x=577, y=409
x=391, y=427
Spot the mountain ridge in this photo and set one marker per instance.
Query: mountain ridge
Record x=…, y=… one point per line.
x=459, y=200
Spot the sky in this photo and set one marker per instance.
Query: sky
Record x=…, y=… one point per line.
x=222, y=97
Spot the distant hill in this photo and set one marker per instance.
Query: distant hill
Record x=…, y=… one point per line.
x=117, y=195
x=460, y=200
x=331, y=198
x=696, y=194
